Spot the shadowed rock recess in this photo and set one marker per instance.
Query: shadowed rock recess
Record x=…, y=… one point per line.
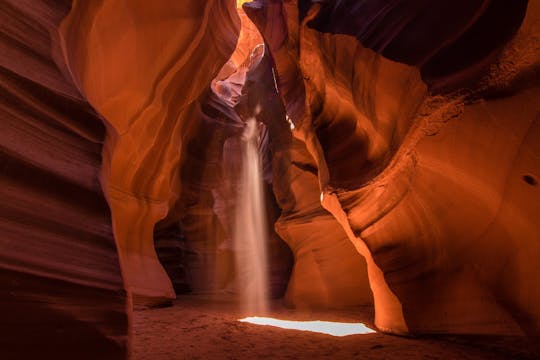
x=400, y=143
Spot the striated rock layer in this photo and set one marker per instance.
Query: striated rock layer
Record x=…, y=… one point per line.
x=327, y=271
x=402, y=151
x=61, y=289
x=211, y=188
x=438, y=193
x=143, y=66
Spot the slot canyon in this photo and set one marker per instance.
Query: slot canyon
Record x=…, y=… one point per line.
x=171, y=169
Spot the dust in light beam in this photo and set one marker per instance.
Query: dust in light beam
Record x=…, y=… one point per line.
x=324, y=327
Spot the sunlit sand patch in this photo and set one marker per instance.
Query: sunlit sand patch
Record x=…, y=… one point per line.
x=323, y=327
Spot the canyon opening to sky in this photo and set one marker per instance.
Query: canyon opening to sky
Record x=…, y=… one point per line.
x=198, y=179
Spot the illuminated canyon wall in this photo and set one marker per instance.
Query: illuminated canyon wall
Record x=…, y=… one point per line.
x=424, y=144
x=313, y=234
x=143, y=66
x=402, y=160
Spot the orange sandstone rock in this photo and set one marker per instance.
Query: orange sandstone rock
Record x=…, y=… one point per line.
x=143, y=66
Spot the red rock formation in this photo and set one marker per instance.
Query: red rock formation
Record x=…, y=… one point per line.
x=210, y=185
x=403, y=142
x=206, y=208
x=61, y=290
x=248, y=39
x=143, y=67
x=422, y=185
x=314, y=236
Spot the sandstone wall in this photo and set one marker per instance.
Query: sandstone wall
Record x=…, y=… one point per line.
x=61, y=287
x=423, y=146
x=143, y=65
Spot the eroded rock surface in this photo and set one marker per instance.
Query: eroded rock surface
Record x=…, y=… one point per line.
x=402, y=152
x=423, y=185
x=314, y=236
x=61, y=289
x=143, y=66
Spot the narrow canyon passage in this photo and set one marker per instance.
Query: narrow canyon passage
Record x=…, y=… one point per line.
x=170, y=169
x=212, y=325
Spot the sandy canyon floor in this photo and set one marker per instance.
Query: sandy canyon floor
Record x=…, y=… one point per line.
x=198, y=327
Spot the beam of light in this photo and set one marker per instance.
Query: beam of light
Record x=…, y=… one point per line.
x=323, y=327
x=250, y=237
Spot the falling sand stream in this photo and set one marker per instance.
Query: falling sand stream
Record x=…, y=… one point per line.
x=250, y=237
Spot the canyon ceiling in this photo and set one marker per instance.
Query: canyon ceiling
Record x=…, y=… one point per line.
x=401, y=153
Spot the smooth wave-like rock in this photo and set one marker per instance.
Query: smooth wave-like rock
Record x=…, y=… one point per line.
x=400, y=144
x=61, y=288
x=206, y=206
x=423, y=185
x=143, y=67
x=314, y=236
x=211, y=188
x=449, y=54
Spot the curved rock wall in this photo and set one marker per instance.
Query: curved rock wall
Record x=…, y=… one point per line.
x=143, y=65
x=314, y=236
x=206, y=206
x=422, y=184
x=405, y=160
x=61, y=289
x=449, y=41
x=211, y=185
